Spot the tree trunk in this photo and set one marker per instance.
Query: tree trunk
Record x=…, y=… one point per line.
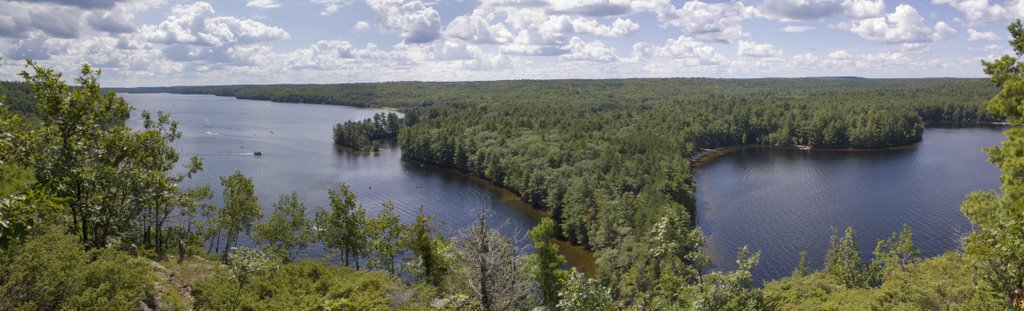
x=227, y=246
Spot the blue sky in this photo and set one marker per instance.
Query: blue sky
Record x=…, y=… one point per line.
x=157, y=42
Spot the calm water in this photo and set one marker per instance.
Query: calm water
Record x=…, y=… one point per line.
x=783, y=201
x=298, y=155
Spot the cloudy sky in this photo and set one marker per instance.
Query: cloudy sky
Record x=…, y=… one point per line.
x=167, y=42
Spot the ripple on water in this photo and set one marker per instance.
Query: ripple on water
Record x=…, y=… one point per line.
x=783, y=201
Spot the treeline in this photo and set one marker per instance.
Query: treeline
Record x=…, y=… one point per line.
x=20, y=97
x=366, y=134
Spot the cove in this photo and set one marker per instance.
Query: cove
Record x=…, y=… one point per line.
x=299, y=155
x=783, y=201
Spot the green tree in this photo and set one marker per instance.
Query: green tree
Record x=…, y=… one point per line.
x=996, y=247
x=801, y=267
x=77, y=122
x=385, y=240
x=728, y=291
x=287, y=229
x=430, y=260
x=240, y=209
x=842, y=260
x=892, y=255
x=583, y=293
x=246, y=265
x=197, y=203
x=344, y=227
x=22, y=204
x=546, y=262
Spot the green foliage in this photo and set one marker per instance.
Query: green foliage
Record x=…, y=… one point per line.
x=582, y=293
x=21, y=206
x=345, y=227
x=801, y=267
x=895, y=254
x=53, y=271
x=728, y=291
x=112, y=281
x=842, y=260
x=240, y=209
x=941, y=283
x=310, y=285
x=247, y=264
x=19, y=97
x=115, y=183
x=652, y=271
x=385, y=238
x=287, y=229
x=546, y=262
x=996, y=247
x=365, y=134
x=431, y=253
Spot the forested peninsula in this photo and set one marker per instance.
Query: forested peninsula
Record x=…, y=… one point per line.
x=588, y=150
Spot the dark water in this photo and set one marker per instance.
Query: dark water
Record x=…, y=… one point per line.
x=782, y=201
x=298, y=155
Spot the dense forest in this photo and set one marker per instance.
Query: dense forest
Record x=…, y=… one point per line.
x=609, y=159
x=367, y=134
x=19, y=97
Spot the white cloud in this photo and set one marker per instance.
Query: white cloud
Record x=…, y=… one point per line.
x=806, y=58
x=839, y=54
x=563, y=25
x=476, y=28
x=17, y=26
x=110, y=21
x=687, y=48
x=802, y=9
x=904, y=25
x=797, y=28
x=360, y=26
x=58, y=22
x=196, y=24
x=594, y=51
x=591, y=7
x=974, y=35
x=814, y=9
x=263, y=3
x=704, y=21
x=331, y=6
x=416, y=21
x=642, y=50
x=861, y=9
x=751, y=49
x=977, y=12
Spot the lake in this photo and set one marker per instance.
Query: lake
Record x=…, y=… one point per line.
x=778, y=201
x=783, y=201
x=299, y=155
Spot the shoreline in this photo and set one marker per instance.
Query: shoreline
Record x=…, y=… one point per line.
x=576, y=256
x=707, y=155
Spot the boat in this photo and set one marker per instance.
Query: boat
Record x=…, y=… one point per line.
x=257, y=153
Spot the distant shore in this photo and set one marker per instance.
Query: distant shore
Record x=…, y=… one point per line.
x=706, y=155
